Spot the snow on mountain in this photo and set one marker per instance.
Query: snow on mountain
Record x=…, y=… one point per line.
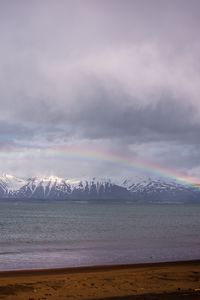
x=61, y=188
x=10, y=183
x=151, y=184
x=160, y=189
x=138, y=188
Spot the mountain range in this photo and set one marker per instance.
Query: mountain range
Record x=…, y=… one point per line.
x=138, y=189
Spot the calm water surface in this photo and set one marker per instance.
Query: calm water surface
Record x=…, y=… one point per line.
x=62, y=234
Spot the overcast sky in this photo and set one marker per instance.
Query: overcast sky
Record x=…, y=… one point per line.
x=115, y=75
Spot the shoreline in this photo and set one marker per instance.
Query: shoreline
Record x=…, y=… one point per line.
x=94, y=268
x=162, y=280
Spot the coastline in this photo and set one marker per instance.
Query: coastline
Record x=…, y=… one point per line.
x=163, y=280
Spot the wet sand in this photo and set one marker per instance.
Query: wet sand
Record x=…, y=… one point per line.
x=167, y=281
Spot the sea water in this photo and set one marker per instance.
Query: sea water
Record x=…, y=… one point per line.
x=51, y=234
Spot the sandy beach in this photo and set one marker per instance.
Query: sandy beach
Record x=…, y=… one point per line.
x=177, y=280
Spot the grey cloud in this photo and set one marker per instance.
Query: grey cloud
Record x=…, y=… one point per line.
x=120, y=73
x=143, y=102
x=169, y=120
x=10, y=130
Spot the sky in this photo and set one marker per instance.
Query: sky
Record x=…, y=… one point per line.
x=89, y=76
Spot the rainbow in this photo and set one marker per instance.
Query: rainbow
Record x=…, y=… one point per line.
x=128, y=160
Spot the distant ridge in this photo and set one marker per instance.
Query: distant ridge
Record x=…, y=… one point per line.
x=141, y=189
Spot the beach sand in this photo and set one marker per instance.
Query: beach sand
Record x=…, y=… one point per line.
x=167, y=281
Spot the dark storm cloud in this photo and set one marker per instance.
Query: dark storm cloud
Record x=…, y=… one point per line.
x=10, y=131
x=168, y=121
x=100, y=71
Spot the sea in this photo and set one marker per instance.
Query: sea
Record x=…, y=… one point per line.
x=56, y=234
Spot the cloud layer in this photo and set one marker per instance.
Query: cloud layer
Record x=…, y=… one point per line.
x=120, y=75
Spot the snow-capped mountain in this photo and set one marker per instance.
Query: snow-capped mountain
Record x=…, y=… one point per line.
x=161, y=190
x=137, y=189
x=59, y=188
x=10, y=184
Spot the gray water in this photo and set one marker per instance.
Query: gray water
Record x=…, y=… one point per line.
x=64, y=234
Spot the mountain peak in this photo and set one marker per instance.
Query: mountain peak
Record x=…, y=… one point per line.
x=136, y=189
